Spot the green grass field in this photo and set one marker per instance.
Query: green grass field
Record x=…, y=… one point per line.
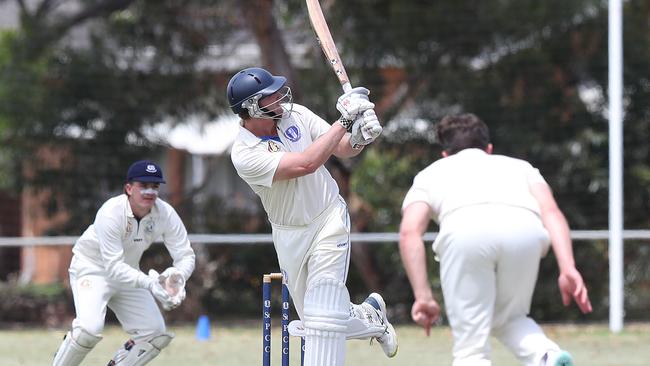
x=242, y=345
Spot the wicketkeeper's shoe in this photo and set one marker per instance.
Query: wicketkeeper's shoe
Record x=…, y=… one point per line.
x=388, y=340
x=559, y=358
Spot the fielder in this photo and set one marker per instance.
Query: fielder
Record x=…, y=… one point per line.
x=280, y=152
x=105, y=272
x=497, y=218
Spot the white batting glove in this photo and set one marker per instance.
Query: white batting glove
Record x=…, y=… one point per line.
x=354, y=102
x=365, y=129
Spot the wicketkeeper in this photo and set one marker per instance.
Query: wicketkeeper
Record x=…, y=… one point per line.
x=105, y=272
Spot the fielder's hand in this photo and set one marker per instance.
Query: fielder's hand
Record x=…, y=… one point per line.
x=572, y=286
x=365, y=129
x=354, y=102
x=425, y=313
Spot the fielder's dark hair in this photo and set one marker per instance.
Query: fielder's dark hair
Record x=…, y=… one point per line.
x=463, y=131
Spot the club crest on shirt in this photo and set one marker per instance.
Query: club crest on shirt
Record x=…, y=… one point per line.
x=273, y=146
x=129, y=227
x=148, y=227
x=292, y=133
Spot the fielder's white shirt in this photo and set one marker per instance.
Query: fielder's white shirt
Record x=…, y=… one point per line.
x=114, y=243
x=472, y=177
x=291, y=202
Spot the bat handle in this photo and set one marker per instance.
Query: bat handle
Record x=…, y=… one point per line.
x=346, y=88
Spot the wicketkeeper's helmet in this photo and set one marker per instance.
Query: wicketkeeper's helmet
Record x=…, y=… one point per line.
x=248, y=86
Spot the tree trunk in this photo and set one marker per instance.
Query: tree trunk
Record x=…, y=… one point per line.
x=273, y=52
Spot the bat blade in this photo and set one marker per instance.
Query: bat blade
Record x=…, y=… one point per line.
x=328, y=46
x=326, y=42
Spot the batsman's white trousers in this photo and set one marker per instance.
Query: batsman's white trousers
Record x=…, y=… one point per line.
x=489, y=260
x=312, y=252
x=135, y=308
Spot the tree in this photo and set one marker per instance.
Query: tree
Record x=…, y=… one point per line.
x=86, y=81
x=536, y=72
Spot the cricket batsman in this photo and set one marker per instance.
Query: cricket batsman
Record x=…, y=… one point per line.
x=280, y=152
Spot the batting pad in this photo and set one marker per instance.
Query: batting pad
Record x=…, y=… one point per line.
x=141, y=353
x=76, y=345
x=326, y=315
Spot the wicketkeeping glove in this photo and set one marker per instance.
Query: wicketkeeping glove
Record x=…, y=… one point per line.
x=354, y=102
x=155, y=285
x=365, y=129
x=174, y=283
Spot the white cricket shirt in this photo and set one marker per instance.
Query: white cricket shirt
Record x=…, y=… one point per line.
x=114, y=243
x=472, y=177
x=291, y=202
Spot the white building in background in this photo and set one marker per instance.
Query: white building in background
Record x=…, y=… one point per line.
x=208, y=169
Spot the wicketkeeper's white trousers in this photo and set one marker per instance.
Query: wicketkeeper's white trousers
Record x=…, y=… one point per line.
x=489, y=260
x=93, y=292
x=312, y=252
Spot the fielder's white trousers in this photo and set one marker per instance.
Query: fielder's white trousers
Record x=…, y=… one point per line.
x=315, y=251
x=489, y=260
x=93, y=292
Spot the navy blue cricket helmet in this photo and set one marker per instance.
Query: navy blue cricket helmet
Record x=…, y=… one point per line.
x=248, y=86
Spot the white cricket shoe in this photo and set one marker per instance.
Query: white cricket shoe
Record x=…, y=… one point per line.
x=559, y=358
x=388, y=340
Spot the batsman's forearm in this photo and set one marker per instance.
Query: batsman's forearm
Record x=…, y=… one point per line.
x=321, y=150
x=298, y=164
x=345, y=150
x=413, y=256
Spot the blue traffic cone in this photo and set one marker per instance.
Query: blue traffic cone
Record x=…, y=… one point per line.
x=203, y=328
